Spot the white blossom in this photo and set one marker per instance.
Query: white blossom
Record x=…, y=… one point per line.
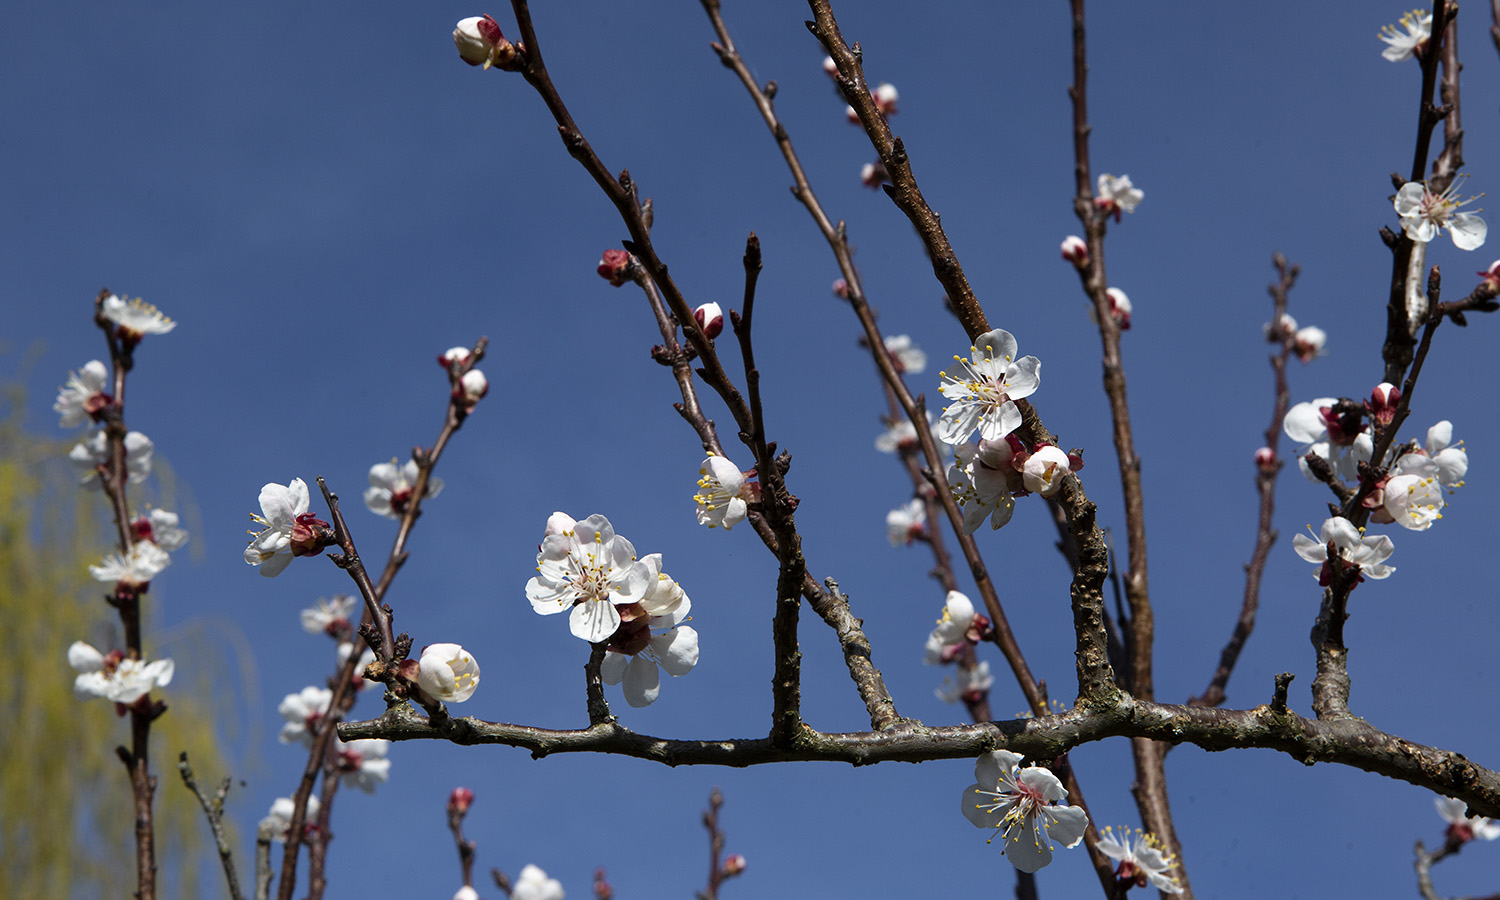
x=114, y=676
x=902, y=435
x=391, y=484
x=363, y=764
x=970, y=682
x=651, y=637
x=133, y=570
x=303, y=711
x=93, y=452
x=360, y=682
x=905, y=354
x=135, y=318
x=1455, y=813
x=1117, y=195
x=586, y=571
x=325, y=615
x=447, y=672
x=1424, y=215
x=723, y=495
x=985, y=391
x=159, y=527
x=278, y=822
x=979, y=481
x=1369, y=553
x=907, y=521
x=82, y=395
x=1023, y=807
x=1406, y=36
x=285, y=518
x=1142, y=856
x=1322, y=432
x=952, y=628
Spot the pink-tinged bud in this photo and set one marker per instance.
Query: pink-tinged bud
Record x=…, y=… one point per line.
x=472, y=388
x=851, y=115
x=614, y=267
x=1265, y=460
x=710, y=318
x=831, y=67
x=1382, y=403
x=1119, y=307
x=734, y=864
x=1075, y=459
x=453, y=356
x=885, y=98
x=460, y=800
x=480, y=42
x=979, y=629
x=1492, y=274
x=872, y=175
x=1075, y=251
x=841, y=288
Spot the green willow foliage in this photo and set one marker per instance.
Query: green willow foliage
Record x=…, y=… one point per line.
x=66, y=829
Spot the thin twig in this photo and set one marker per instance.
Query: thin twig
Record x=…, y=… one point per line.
x=214, y=812
x=1266, y=473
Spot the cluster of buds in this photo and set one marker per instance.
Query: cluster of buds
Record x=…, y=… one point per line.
x=480, y=43
x=616, y=266
x=1307, y=343
x=469, y=384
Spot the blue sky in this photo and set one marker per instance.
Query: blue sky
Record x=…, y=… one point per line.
x=324, y=197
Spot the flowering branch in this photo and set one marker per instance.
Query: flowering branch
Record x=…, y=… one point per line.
x=214, y=812
x=1268, y=467
x=460, y=403
x=773, y=521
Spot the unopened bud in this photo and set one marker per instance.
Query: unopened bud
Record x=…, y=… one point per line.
x=460, y=800
x=734, y=864
x=472, y=388
x=614, y=266
x=1045, y=470
x=885, y=98
x=1492, y=274
x=1075, y=459
x=480, y=42
x=310, y=535
x=453, y=356
x=710, y=318
x=831, y=67
x=1308, y=343
x=1119, y=307
x=1075, y=251
x=1382, y=403
x=1265, y=459
x=841, y=288
x=602, y=890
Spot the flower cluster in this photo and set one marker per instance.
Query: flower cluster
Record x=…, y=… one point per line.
x=533, y=884
x=91, y=458
x=630, y=605
x=303, y=711
x=1307, y=342
x=987, y=477
x=1332, y=429
x=1023, y=807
